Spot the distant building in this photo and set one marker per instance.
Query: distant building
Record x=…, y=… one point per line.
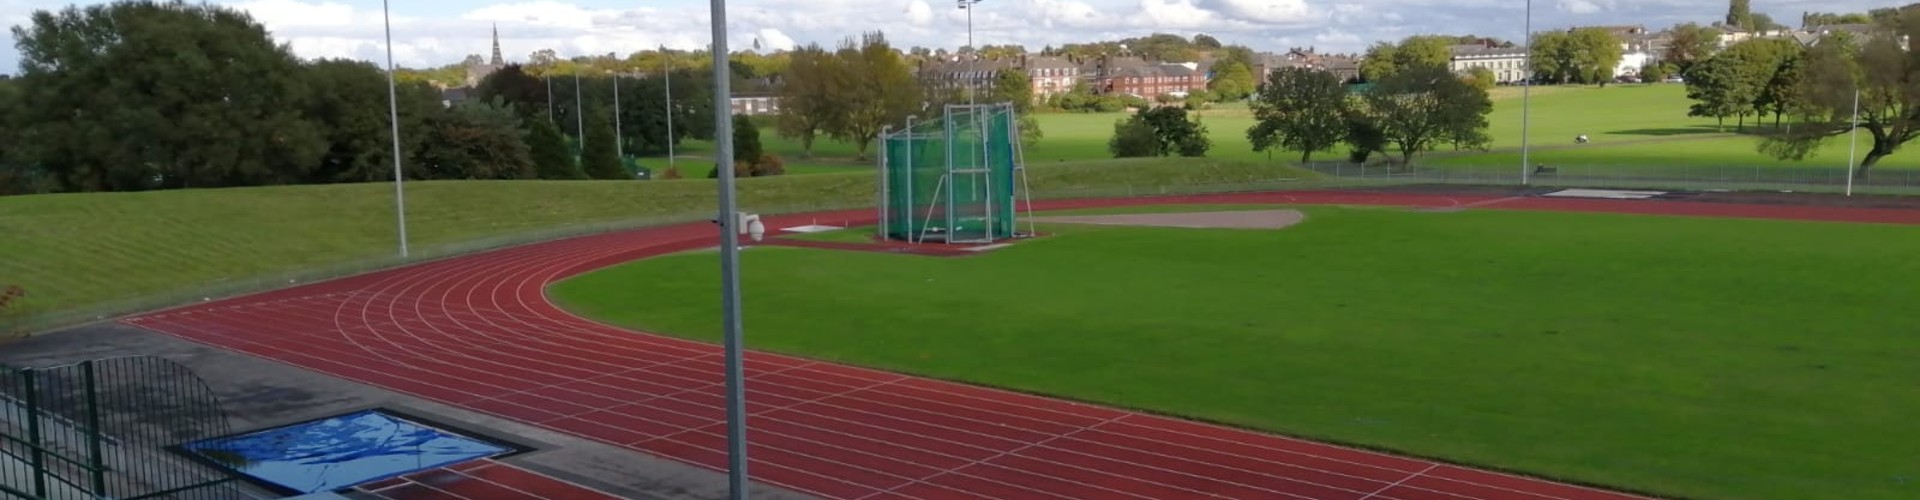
x=1347, y=67
x=755, y=105
x=1508, y=64
x=477, y=72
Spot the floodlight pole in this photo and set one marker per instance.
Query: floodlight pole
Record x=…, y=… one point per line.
x=670, y=107
x=393, y=114
x=972, y=67
x=729, y=258
x=619, y=146
x=1526, y=102
x=579, y=113
x=1853, y=138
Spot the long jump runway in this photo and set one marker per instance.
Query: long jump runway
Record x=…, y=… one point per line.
x=477, y=332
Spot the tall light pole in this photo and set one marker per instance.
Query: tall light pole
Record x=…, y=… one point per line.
x=1526, y=102
x=619, y=148
x=972, y=69
x=729, y=258
x=579, y=112
x=393, y=114
x=667, y=60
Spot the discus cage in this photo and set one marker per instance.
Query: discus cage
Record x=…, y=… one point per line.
x=958, y=178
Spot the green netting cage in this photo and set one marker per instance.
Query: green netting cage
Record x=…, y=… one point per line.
x=954, y=178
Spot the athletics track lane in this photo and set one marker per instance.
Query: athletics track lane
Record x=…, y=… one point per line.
x=477, y=332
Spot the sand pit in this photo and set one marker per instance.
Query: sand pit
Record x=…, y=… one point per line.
x=1247, y=219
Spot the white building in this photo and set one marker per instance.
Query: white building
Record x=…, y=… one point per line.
x=1508, y=64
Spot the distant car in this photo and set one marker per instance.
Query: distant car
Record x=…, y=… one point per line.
x=1676, y=79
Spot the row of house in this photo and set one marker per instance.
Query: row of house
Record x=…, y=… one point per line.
x=1639, y=48
x=1136, y=76
x=1116, y=75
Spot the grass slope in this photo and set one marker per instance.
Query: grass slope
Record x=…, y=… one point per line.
x=80, y=252
x=1694, y=357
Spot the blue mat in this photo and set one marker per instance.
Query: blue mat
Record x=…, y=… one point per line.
x=340, y=452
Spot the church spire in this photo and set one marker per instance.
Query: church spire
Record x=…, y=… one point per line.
x=497, y=60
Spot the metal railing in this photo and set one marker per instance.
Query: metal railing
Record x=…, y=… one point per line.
x=1798, y=178
x=103, y=428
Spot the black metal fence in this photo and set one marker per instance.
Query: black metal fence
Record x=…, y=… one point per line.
x=103, y=428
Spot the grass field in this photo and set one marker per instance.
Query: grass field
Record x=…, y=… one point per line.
x=89, y=252
x=1694, y=357
x=1643, y=127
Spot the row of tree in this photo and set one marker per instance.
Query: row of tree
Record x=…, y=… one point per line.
x=1412, y=110
x=98, y=108
x=1809, y=90
x=854, y=91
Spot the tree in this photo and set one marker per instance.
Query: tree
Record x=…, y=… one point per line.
x=807, y=99
x=1420, y=107
x=1653, y=72
x=138, y=95
x=1364, y=134
x=746, y=139
x=1016, y=87
x=1813, y=19
x=1690, y=44
x=749, y=157
x=1740, y=14
x=1300, y=109
x=601, y=159
x=1481, y=78
x=1159, y=131
x=349, y=104
x=881, y=92
x=1233, y=81
x=525, y=93
x=1585, y=55
x=1750, y=77
x=15, y=177
x=1133, y=138
x=1206, y=41
x=548, y=150
x=1720, y=88
x=1777, y=67
x=1884, y=75
x=474, y=140
x=1384, y=59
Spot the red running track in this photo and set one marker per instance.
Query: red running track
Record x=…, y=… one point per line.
x=477, y=332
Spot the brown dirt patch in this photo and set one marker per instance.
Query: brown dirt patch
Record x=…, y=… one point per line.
x=1247, y=219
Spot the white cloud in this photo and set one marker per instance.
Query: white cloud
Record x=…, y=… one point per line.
x=445, y=31
x=919, y=13
x=1261, y=11
x=1580, y=6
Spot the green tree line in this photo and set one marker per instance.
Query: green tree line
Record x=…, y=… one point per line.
x=1809, y=90
x=142, y=94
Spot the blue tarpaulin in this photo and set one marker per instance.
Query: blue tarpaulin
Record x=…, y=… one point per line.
x=340, y=452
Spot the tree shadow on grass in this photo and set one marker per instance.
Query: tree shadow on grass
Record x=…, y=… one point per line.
x=1673, y=131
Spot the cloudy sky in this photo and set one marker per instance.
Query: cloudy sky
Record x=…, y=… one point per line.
x=444, y=31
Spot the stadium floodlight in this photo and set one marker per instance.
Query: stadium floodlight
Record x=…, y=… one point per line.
x=393, y=114
x=729, y=258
